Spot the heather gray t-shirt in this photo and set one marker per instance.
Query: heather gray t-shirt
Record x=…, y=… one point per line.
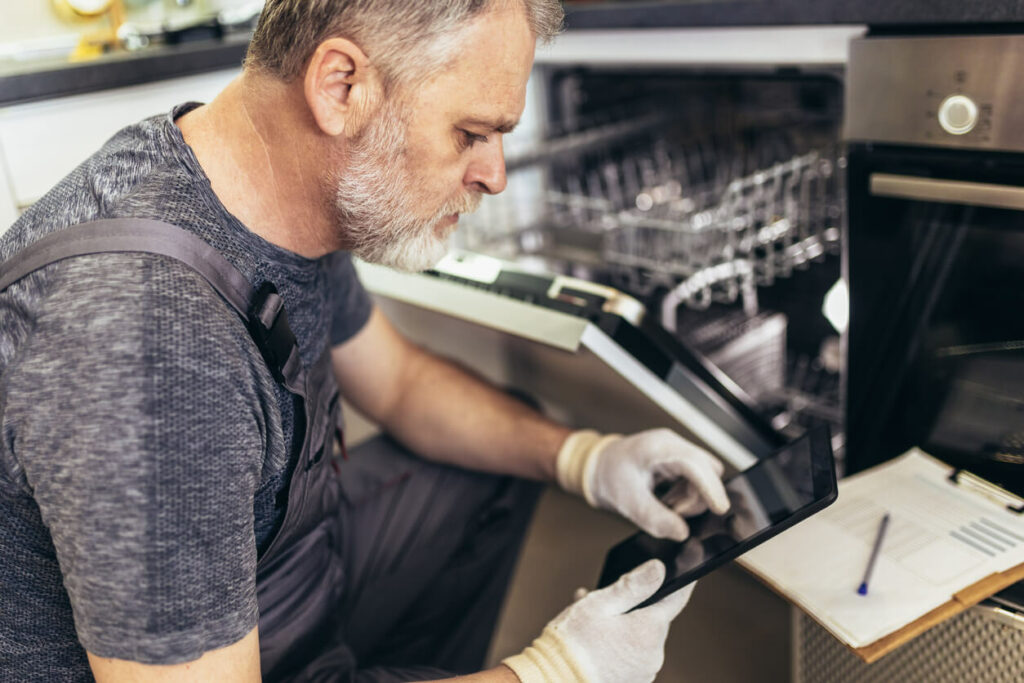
x=145, y=449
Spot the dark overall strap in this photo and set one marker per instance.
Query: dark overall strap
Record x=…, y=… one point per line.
x=262, y=309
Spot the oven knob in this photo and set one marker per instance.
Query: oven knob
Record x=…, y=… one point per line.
x=958, y=115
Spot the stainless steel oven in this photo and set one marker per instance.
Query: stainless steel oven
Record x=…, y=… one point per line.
x=934, y=262
x=934, y=253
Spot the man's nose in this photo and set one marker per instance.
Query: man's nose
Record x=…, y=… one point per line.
x=486, y=170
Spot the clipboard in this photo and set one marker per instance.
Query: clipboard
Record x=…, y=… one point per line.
x=954, y=539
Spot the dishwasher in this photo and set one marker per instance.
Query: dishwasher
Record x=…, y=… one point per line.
x=664, y=254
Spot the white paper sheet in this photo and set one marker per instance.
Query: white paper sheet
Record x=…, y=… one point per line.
x=941, y=538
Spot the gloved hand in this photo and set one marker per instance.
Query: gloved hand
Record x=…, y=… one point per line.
x=619, y=473
x=594, y=640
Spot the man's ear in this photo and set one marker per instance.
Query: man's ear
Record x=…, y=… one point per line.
x=342, y=89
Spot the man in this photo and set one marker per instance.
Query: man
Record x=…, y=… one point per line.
x=169, y=510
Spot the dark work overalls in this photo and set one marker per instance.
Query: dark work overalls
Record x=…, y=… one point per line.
x=387, y=568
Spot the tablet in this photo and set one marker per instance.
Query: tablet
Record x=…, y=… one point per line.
x=767, y=498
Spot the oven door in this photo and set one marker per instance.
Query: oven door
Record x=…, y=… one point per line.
x=935, y=267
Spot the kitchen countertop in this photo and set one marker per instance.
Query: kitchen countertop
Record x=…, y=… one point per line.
x=28, y=81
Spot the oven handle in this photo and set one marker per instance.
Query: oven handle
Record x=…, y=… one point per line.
x=947, y=191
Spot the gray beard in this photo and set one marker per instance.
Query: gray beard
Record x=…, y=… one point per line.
x=376, y=201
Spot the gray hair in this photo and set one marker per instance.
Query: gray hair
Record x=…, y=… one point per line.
x=405, y=39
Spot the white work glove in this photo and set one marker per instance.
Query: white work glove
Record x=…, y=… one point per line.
x=619, y=473
x=594, y=640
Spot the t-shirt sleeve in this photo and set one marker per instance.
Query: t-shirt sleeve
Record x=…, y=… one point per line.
x=140, y=434
x=350, y=303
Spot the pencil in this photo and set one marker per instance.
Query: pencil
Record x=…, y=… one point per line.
x=863, y=589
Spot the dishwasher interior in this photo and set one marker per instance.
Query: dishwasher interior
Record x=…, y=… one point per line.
x=714, y=198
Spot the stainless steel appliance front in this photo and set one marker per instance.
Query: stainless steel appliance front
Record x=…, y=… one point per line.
x=934, y=253
x=961, y=92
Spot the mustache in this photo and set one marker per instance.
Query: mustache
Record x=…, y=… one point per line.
x=467, y=203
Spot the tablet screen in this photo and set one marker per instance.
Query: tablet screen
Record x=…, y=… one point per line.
x=765, y=499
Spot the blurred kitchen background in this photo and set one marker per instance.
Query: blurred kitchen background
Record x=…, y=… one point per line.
x=700, y=172
x=83, y=29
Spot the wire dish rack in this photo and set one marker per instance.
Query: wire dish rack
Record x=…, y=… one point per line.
x=692, y=230
x=652, y=223
x=718, y=246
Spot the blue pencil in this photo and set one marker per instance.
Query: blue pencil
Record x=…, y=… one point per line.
x=863, y=590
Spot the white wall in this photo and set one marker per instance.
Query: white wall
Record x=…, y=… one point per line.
x=8, y=207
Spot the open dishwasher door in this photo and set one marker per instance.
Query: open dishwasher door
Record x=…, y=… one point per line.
x=588, y=353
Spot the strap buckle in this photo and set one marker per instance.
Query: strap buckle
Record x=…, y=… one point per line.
x=268, y=325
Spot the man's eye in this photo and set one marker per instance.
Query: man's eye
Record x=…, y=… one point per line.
x=468, y=139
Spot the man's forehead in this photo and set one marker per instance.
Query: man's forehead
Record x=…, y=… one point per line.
x=484, y=87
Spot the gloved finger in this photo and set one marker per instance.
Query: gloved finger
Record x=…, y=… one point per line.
x=692, y=508
x=702, y=477
x=680, y=493
x=665, y=442
x=669, y=607
x=632, y=588
x=684, y=500
x=715, y=463
x=653, y=517
x=580, y=594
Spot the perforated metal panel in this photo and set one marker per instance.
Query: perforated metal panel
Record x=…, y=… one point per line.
x=974, y=647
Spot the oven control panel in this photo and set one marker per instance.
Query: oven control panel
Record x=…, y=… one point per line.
x=947, y=91
x=958, y=115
